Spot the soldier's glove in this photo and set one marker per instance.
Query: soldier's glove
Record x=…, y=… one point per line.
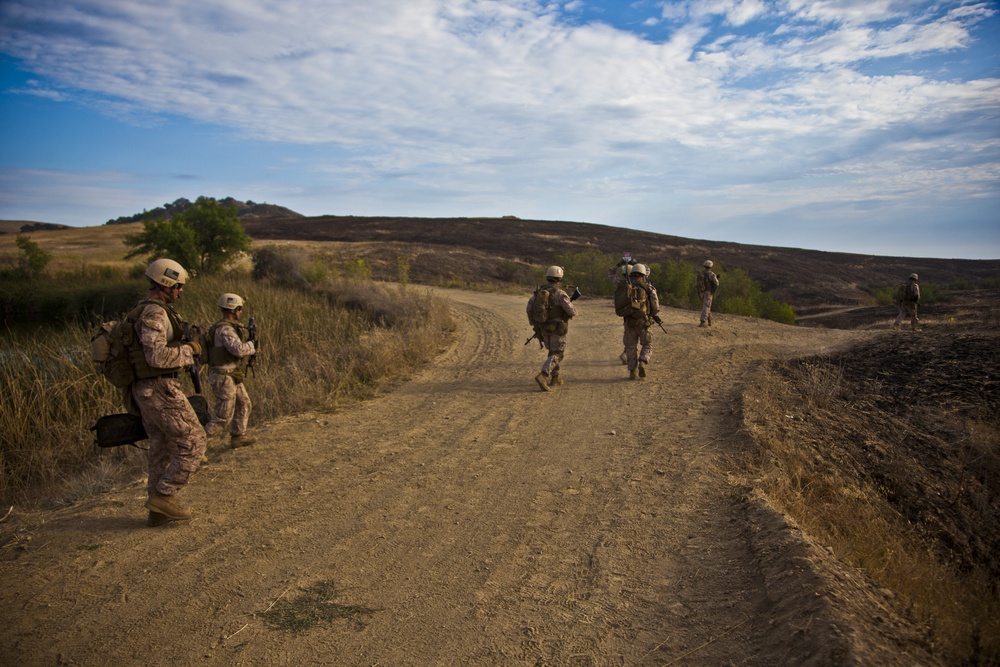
x=621, y=262
x=195, y=348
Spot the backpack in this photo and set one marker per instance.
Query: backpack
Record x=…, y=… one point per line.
x=631, y=301
x=906, y=293
x=109, y=350
x=543, y=307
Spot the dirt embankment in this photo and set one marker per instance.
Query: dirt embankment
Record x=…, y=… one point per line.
x=467, y=518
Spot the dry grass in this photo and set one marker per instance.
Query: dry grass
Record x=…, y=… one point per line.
x=904, y=490
x=315, y=354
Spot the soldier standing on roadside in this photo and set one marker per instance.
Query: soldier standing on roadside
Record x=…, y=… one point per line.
x=907, y=298
x=176, y=437
x=637, y=303
x=706, y=285
x=549, y=311
x=228, y=346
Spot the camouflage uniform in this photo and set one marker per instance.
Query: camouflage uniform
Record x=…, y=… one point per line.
x=637, y=338
x=708, y=282
x=908, y=305
x=232, y=403
x=553, y=333
x=176, y=437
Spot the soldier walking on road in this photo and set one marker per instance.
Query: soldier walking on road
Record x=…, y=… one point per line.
x=228, y=346
x=638, y=305
x=549, y=312
x=907, y=298
x=707, y=283
x=176, y=437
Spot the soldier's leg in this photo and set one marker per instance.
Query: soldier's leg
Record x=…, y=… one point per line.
x=706, y=309
x=225, y=402
x=631, y=340
x=646, y=341
x=242, y=414
x=556, y=345
x=176, y=420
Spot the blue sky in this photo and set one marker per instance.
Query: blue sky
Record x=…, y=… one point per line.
x=868, y=126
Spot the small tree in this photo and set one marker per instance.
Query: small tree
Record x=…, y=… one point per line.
x=33, y=258
x=207, y=237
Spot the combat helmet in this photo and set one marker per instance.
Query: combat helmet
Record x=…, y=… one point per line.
x=708, y=264
x=554, y=272
x=639, y=270
x=167, y=273
x=229, y=301
x=913, y=276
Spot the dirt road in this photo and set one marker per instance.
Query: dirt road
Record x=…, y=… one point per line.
x=463, y=518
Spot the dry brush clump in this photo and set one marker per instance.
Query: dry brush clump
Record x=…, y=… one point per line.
x=315, y=353
x=890, y=455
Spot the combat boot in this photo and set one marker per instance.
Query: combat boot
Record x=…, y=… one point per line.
x=555, y=381
x=633, y=374
x=624, y=358
x=168, y=507
x=703, y=324
x=238, y=441
x=642, y=368
x=543, y=381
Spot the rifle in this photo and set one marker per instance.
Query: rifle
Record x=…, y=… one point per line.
x=659, y=320
x=194, y=370
x=533, y=337
x=252, y=337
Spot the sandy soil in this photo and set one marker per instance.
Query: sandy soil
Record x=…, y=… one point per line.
x=468, y=518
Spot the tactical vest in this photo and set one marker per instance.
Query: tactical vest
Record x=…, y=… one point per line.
x=218, y=355
x=136, y=355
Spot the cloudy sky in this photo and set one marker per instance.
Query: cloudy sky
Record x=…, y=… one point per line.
x=868, y=126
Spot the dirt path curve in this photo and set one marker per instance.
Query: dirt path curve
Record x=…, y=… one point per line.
x=464, y=518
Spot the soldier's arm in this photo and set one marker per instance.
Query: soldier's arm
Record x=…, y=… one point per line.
x=231, y=341
x=152, y=329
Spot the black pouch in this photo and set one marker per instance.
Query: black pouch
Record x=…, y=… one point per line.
x=126, y=429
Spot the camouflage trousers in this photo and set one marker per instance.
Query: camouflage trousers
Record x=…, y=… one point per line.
x=556, y=345
x=706, y=307
x=232, y=405
x=176, y=438
x=907, y=310
x=638, y=344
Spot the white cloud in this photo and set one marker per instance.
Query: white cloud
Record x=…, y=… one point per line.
x=503, y=97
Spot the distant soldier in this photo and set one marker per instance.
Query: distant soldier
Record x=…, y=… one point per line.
x=549, y=312
x=176, y=437
x=228, y=347
x=707, y=282
x=638, y=305
x=907, y=298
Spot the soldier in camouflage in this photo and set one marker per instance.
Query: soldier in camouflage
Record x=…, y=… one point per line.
x=637, y=338
x=176, y=437
x=707, y=283
x=228, y=347
x=907, y=298
x=552, y=333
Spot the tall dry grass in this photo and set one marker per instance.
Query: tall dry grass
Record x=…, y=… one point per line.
x=812, y=432
x=321, y=346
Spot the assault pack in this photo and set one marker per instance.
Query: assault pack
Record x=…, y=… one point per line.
x=704, y=284
x=906, y=293
x=127, y=429
x=116, y=352
x=544, y=308
x=631, y=301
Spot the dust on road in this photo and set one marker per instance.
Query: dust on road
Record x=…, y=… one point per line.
x=463, y=518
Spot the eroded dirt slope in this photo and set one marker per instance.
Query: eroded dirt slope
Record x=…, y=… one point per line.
x=466, y=518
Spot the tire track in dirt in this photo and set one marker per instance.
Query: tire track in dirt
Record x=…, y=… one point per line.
x=484, y=521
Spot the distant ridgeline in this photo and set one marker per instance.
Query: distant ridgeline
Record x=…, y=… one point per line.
x=247, y=209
